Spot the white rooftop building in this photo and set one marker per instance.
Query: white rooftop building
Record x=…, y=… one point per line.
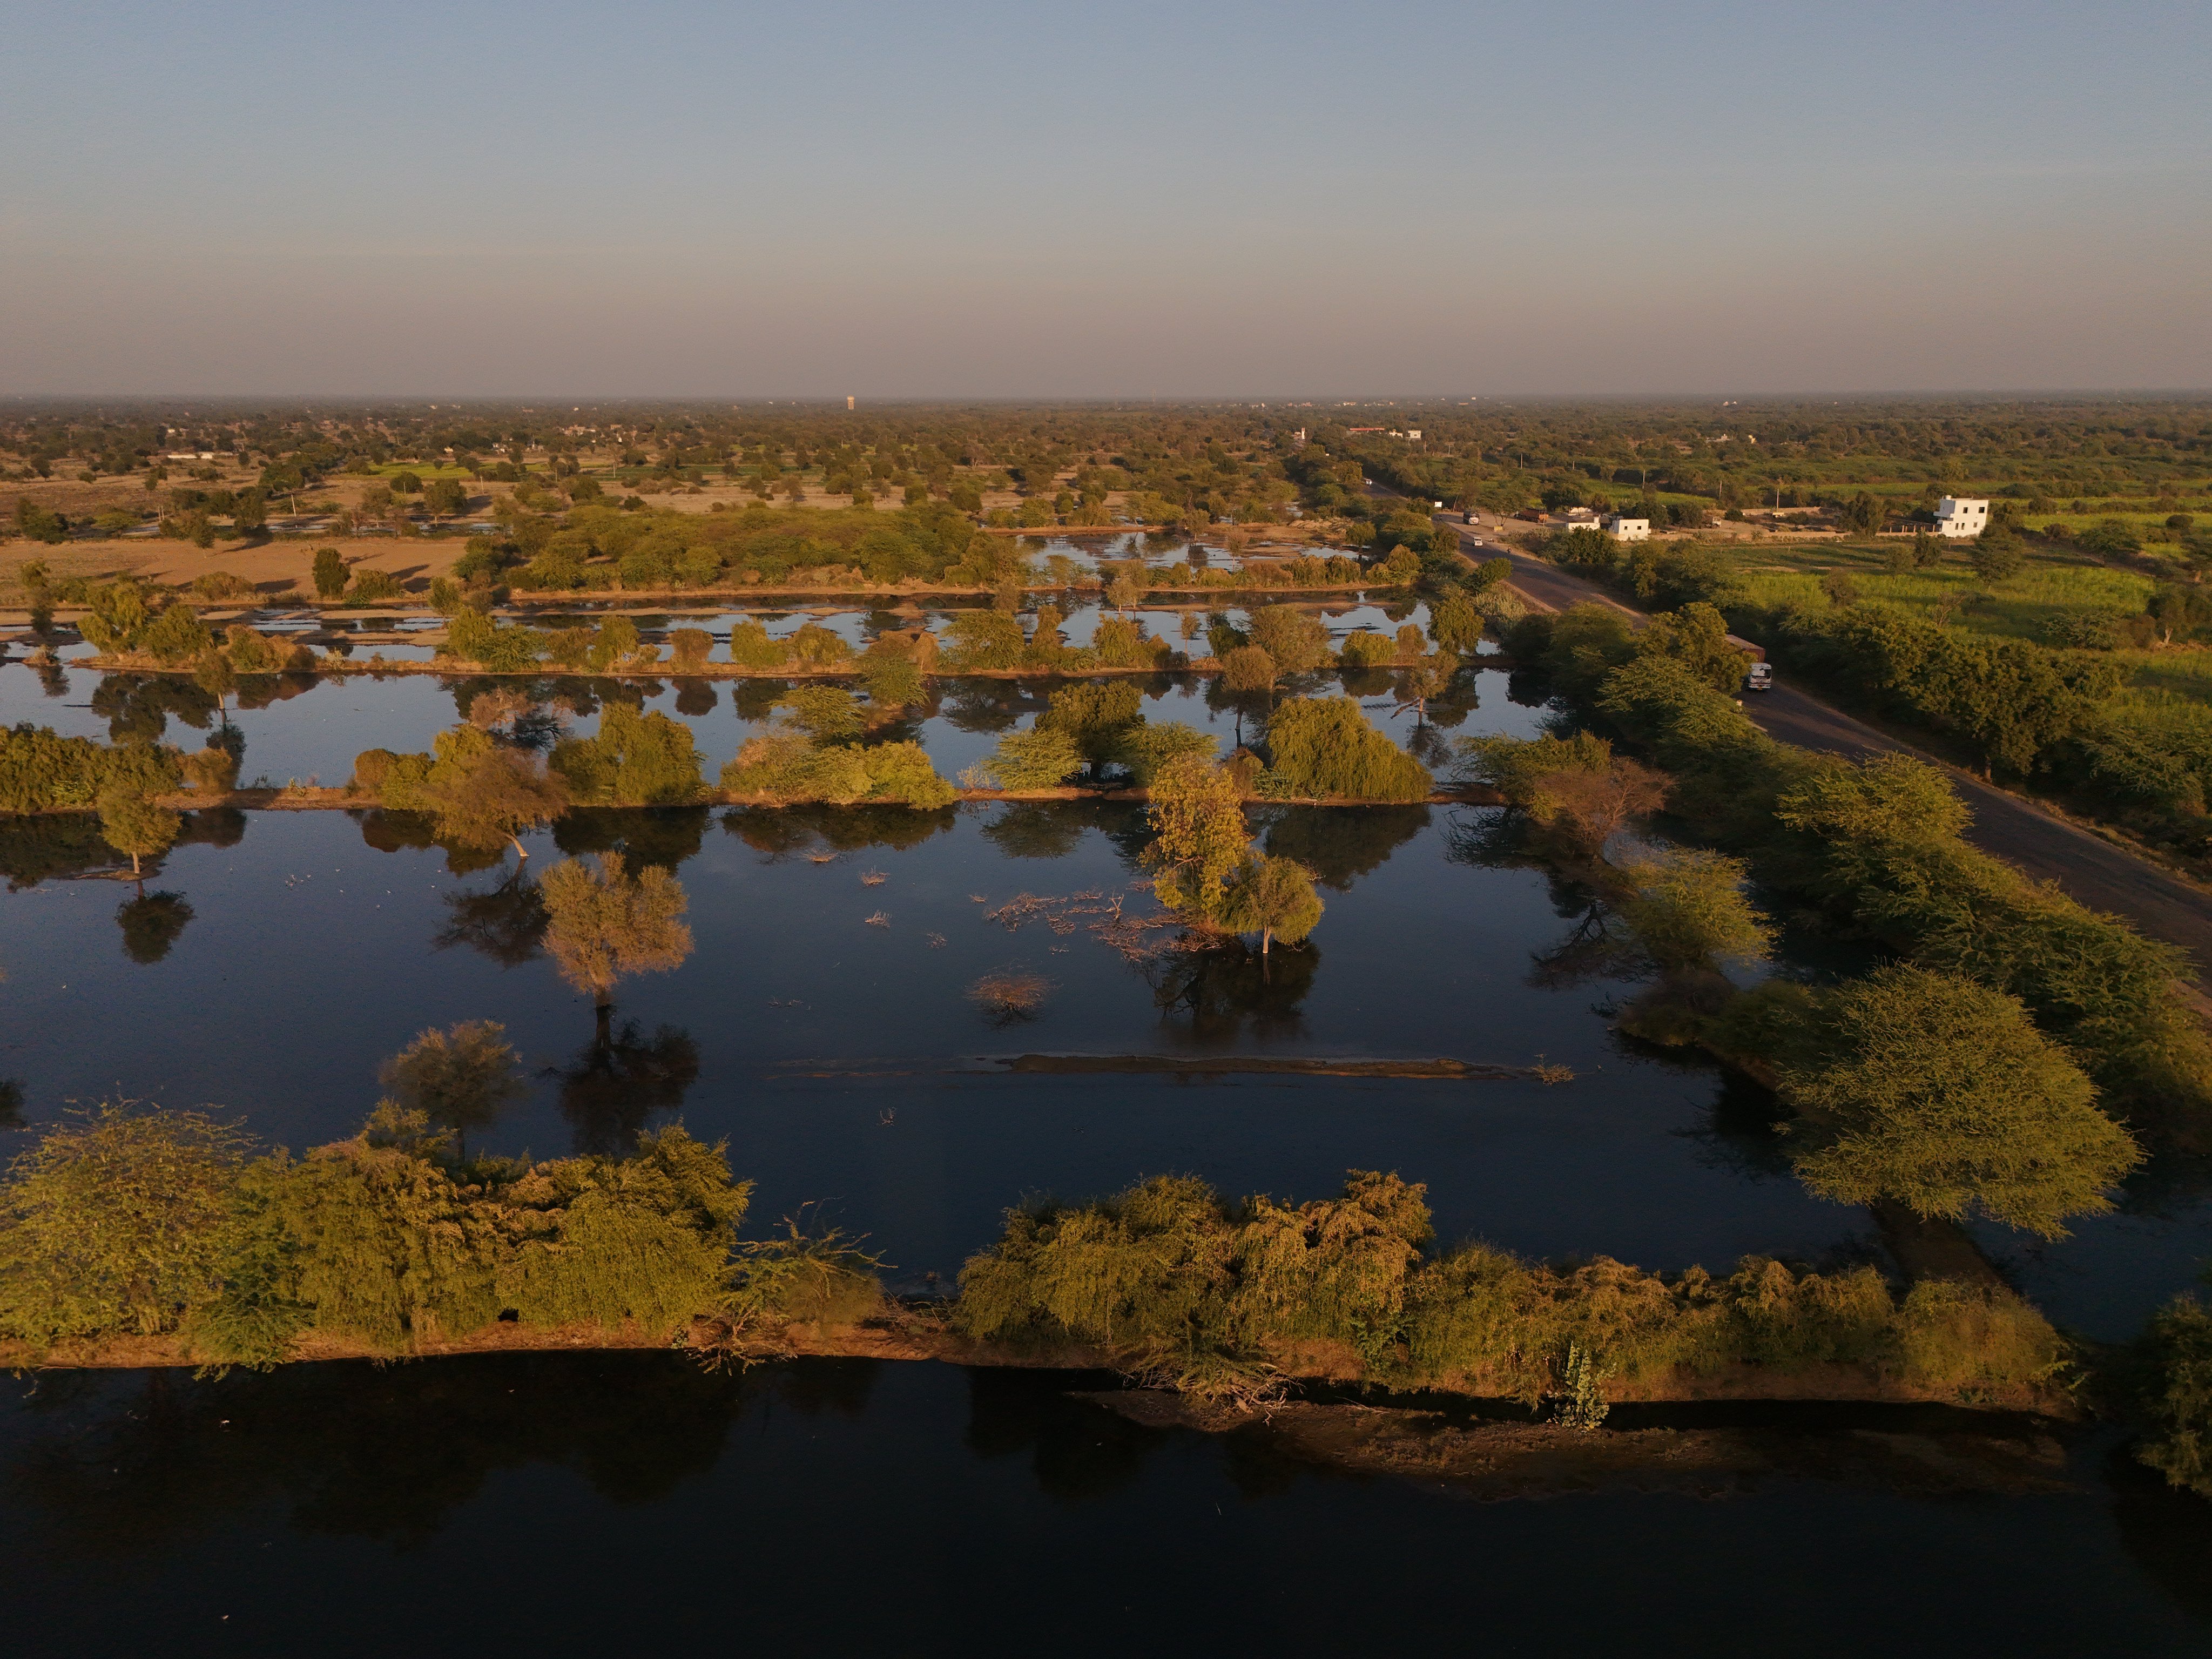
x=1956, y=516
x=1627, y=530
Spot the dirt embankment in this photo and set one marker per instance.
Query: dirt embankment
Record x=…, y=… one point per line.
x=920, y=1329
x=2006, y=1454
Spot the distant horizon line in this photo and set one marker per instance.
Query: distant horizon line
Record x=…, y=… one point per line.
x=835, y=401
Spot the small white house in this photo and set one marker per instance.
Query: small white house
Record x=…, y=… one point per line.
x=1956, y=516
x=1628, y=530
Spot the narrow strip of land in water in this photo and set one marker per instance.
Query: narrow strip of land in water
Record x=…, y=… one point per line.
x=1185, y=1065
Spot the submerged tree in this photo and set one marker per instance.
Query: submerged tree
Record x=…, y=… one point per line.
x=493, y=796
x=605, y=924
x=134, y=826
x=1197, y=819
x=460, y=1078
x=1272, y=898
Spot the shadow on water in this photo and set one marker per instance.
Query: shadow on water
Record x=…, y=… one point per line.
x=119, y=1463
x=1338, y=845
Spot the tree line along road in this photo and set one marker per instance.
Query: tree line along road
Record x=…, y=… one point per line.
x=2090, y=870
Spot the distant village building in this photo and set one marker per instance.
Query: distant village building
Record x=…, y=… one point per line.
x=1957, y=516
x=1628, y=530
x=1577, y=518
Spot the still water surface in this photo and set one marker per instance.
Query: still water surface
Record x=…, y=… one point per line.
x=625, y=1503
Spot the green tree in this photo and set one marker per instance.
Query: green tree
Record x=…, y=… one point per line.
x=1696, y=636
x=133, y=826
x=445, y=498
x=1941, y=1095
x=1297, y=641
x=1997, y=556
x=489, y=793
x=603, y=925
x=1454, y=623
x=329, y=574
x=634, y=760
x=1324, y=747
x=1272, y=897
x=1197, y=820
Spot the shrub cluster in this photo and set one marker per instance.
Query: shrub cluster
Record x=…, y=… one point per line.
x=147, y=1223
x=40, y=772
x=1170, y=1281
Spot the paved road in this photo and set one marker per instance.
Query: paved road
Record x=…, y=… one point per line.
x=2090, y=870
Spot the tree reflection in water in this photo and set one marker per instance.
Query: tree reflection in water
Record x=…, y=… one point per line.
x=617, y=1082
x=1077, y=1449
x=130, y=1466
x=384, y=830
x=506, y=923
x=1037, y=829
x=696, y=697
x=784, y=832
x=151, y=924
x=1215, y=998
x=1339, y=844
x=666, y=836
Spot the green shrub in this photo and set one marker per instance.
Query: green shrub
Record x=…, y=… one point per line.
x=176, y=636
x=1166, y=1280
x=41, y=772
x=751, y=648
x=1323, y=746
x=373, y=587
x=983, y=639
x=1040, y=758
x=1366, y=649
x=635, y=760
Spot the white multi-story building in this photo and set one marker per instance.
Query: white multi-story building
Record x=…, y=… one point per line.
x=1956, y=516
x=1628, y=530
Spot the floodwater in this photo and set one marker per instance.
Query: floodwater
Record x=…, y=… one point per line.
x=821, y=1025
x=633, y=1503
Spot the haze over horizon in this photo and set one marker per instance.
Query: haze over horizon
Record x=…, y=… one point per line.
x=1137, y=201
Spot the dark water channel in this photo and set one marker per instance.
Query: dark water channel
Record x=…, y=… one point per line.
x=628, y=1503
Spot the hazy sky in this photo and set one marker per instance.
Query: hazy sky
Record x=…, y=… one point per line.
x=1110, y=199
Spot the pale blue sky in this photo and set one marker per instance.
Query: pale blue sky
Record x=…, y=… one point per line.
x=1110, y=200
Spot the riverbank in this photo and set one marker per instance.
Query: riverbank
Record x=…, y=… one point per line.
x=920, y=1330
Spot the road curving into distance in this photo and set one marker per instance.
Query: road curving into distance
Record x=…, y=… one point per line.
x=2090, y=870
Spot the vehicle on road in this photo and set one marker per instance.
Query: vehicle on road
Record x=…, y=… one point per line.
x=1759, y=677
